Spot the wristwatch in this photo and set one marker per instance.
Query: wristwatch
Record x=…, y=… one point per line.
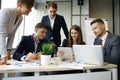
x=9, y=50
x=0, y=57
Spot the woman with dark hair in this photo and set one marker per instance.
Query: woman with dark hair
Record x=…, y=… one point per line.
x=75, y=37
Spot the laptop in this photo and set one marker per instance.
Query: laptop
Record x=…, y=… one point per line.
x=88, y=54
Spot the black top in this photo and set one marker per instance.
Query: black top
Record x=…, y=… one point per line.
x=65, y=43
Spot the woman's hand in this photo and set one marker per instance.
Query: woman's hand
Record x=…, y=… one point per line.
x=73, y=58
x=60, y=53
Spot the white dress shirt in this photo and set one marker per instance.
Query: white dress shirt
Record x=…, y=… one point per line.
x=104, y=38
x=8, y=28
x=52, y=20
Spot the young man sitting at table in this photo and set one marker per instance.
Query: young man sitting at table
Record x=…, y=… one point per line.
x=28, y=48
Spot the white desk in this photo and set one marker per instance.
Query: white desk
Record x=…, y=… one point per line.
x=111, y=74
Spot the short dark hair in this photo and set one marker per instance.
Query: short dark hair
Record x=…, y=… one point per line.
x=41, y=25
x=51, y=4
x=28, y=3
x=98, y=21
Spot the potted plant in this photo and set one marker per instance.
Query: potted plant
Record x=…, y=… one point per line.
x=47, y=49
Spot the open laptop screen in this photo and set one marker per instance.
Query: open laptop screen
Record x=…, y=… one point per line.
x=88, y=54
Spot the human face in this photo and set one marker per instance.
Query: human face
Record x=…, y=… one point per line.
x=74, y=34
x=52, y=12
x=40, y=33
x=98, y=29
x=24, y=9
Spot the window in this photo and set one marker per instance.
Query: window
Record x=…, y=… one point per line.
x=8, y=3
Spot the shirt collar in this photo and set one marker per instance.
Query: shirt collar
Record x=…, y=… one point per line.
x=35, y=40
x=104, y=37
x=52, y=18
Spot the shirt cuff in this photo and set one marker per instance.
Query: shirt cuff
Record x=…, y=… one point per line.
x=23, y=58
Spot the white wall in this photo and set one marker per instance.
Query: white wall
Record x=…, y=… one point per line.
x=84, y=14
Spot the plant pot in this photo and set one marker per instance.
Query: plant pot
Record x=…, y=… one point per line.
x=45, y=60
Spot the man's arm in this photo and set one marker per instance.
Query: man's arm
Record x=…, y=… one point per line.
x=4, y=19
x=115, y=52
x=19, y=50
x=9, y=54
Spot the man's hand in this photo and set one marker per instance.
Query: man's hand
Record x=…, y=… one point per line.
x=38, y=56
x=4, y=60
x=30, y=56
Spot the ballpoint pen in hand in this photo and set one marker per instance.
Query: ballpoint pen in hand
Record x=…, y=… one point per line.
x=38, y=55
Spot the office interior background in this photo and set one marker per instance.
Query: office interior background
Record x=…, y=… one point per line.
x=72, y=12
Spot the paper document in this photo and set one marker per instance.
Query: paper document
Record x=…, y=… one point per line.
x=72, y=65
x=21, y=64
x=75, y=65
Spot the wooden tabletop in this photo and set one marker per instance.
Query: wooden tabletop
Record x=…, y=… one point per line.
x=16, y=66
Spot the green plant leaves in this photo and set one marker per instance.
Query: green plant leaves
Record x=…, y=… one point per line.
x=47, y=49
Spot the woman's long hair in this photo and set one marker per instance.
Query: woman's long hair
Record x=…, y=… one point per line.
x=80, y=37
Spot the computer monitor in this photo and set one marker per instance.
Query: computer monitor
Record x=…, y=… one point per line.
x=88, y=54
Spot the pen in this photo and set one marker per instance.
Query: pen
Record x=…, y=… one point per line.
x=33, y=52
